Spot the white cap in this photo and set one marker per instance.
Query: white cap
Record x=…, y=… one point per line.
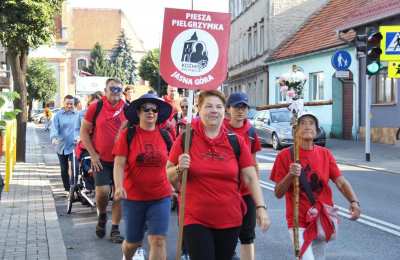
x=308, y=113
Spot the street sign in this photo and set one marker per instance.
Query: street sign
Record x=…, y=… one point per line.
x=342, y=74
x=394, y=69
x=341, y=60
x=194, y=51
x=390, y=43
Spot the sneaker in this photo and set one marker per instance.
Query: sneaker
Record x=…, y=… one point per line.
x=235, y=257
x=115, y=236
x=101, y=226
x=139, y=254
x=185, y=257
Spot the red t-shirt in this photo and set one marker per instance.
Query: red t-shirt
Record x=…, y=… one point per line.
x=254, y=145
x=212, y=195
x=145, y=175
x=320, y=167
x=108, y=123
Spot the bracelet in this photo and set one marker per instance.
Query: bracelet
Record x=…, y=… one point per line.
x=355, y=201
x=261, y=206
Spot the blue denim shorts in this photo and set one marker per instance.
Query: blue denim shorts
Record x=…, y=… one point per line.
x=140, y=216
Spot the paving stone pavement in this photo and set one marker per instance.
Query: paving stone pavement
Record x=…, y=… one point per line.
x=29, y=227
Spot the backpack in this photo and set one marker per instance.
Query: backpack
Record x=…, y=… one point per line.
x=252, y=136
x=164, y=133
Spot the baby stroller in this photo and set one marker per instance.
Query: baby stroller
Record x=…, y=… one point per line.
x=82, y=181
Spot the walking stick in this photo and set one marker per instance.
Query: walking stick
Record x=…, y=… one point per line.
x=296, y=189
x=188, y=132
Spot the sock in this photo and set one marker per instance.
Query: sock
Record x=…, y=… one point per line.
x=114, y=227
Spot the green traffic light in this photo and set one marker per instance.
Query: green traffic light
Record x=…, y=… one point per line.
x=373, y=68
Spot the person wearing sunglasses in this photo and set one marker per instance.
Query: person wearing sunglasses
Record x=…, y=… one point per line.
x=98, y=132
x=316, y=168
x=237, y=107
x=141, y=154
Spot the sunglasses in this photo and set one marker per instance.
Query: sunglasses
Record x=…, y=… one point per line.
x=148, y=109
x=115, y=89
x=184, y=107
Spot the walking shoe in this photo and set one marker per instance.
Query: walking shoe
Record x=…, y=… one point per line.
x=185, y=257
x=115, y=236
x=139, y=254
x=101, y=225
x=235, y=257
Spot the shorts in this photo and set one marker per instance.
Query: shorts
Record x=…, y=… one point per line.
x=247, y=230
x=105, y=176
x=140, y=216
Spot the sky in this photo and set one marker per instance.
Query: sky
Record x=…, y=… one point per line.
x=146, y=16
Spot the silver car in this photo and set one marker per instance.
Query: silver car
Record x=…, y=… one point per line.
x=273, y=127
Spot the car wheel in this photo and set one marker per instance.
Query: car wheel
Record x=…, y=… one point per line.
x=275, y=142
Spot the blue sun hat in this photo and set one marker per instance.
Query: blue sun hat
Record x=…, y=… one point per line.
x=164, y=109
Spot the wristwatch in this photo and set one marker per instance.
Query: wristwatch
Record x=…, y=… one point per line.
x=355, y=201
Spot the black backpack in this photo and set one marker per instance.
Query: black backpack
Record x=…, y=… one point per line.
x=164, y=133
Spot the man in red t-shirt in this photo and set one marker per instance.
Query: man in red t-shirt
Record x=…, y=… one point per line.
x=237, y=107
x=319, y=166
x=105, y=128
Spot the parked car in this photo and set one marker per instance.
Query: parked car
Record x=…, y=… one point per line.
x=251, y=115
x=273, y=128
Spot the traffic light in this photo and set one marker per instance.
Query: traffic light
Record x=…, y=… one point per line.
x=373, y=53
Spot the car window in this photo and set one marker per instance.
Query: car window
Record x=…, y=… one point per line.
x=280, y=116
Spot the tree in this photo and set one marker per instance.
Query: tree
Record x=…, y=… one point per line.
x=124, y=65
x=99, y=65
x=24, y=25
x=41, y=83
x=149, y=69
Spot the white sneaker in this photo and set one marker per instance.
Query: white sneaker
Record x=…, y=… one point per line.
x=185, y=257
x=139, y=254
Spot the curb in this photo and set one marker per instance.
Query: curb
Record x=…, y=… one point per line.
x=367, y=167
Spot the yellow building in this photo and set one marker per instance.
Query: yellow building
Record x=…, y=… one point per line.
x=77, y=31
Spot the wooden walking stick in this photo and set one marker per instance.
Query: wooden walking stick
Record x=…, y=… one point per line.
x=188, y=132
x=296, y=188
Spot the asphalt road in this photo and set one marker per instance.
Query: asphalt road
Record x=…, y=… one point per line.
x=375, y=236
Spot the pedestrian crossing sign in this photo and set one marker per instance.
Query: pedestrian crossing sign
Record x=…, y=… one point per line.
x=390, y=43
x=394, y=69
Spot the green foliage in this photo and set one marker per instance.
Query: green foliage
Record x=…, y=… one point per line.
x=9, y=114
x=149, y=69
x=27, y=24
x=123, y=64
x=98, y=65
x=41, y=83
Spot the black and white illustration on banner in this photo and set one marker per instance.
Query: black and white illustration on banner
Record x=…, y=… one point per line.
x=194, y=52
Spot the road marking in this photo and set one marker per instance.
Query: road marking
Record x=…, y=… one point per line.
x=365, y=219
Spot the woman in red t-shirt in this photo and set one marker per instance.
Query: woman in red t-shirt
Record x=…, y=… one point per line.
x=318, y=166
x=214, y=208
x=237, y=107
x=140, y=176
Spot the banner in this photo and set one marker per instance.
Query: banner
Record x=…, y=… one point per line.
x=194, y=50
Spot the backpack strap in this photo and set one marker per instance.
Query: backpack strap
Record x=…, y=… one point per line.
x=233, y=140
x=252, y=136
x=167, y=138
x=97, y=112
x=303, y=180
x=131, y=133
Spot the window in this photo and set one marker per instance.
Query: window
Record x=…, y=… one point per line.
x=316, y=86
x=249, y=44
x=262, y=36
x=278, y=94
x=255, y=39
x=81, y=63
x=384, y=88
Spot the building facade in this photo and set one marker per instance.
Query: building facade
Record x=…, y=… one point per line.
x=257, y=28
x=77, y=31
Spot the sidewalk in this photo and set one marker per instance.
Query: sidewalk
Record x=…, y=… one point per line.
x=384, y=157
x=29, y=227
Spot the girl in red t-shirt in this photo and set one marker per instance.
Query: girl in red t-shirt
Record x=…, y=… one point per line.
x=237, y=107
x=140, y=176
x=214, y=208
x=319, y=167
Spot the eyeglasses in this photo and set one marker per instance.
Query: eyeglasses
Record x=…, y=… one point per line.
x=148, y=109
x=115, y=89
x=241, y=106
x=185, y=107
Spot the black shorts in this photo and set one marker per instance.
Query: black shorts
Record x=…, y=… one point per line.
x=247, y=230
x=105, y=176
